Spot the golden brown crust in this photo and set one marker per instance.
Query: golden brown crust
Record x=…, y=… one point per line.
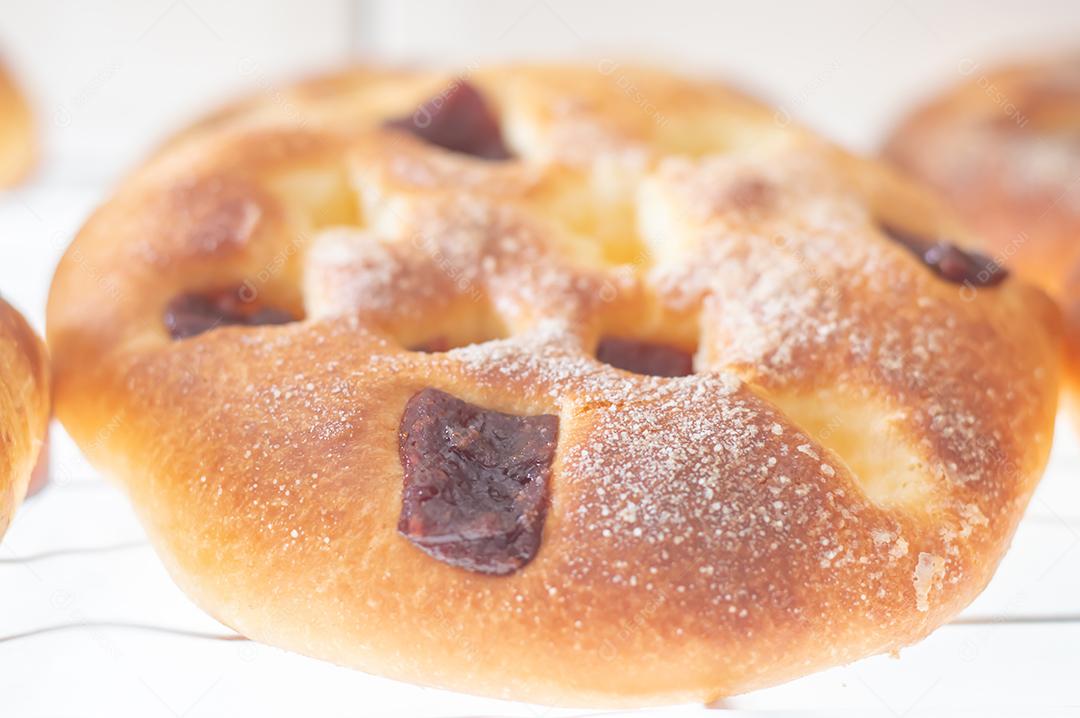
x=24, y=408
x=1003, y=147
x=17, y=149
x=707, y=534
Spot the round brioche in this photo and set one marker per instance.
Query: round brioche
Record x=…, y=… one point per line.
x=16, y=132
x=24, y=408
x=1003, y=147
x=840, y=475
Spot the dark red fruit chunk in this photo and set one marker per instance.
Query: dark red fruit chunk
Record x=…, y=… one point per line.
x=458, y=120
x=475, y=487
x=190, y=314
x=949, y=261
x=645, y=357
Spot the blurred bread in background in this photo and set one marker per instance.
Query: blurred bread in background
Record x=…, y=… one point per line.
x=1003, y=147
x=16, y=132
x=112, y=80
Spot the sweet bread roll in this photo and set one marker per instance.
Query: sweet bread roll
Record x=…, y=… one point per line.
x=569, y=385
x=16, y=132
x=24, y=409
x=1003, y=147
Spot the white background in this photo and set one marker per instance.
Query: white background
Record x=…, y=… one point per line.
x=110, y=78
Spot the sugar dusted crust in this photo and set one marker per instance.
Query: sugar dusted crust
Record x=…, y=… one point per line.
x=24, y=408
x=1003, y=147
x=16, y=132
x=840, y=476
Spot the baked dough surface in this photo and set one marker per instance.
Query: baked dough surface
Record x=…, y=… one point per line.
x=1003, y=147
x=839, y=477
x=24, y=408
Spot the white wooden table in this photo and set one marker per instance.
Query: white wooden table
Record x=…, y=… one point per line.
x=90, y=624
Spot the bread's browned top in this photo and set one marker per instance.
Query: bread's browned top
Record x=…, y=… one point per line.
x=1003, y=147
x=840, y=475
